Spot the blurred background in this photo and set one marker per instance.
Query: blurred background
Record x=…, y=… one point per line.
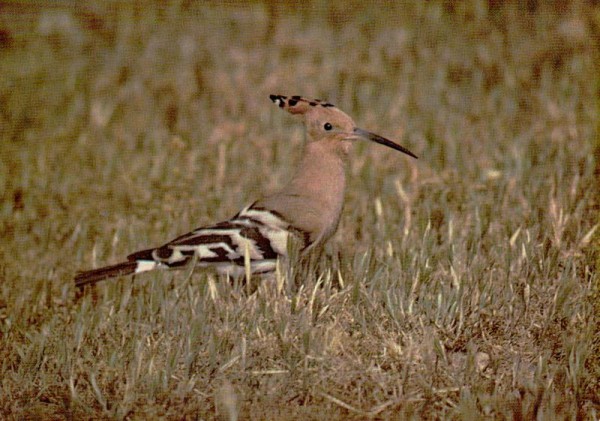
x=125, y=123
x=482, y=90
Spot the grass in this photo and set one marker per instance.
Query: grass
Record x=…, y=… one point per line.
x=463, y=285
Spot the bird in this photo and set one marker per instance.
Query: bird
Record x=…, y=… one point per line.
x=306, y=210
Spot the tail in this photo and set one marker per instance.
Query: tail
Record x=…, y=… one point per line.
x=121, y=269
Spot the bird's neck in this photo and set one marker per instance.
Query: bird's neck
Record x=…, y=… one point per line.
x=321, y=174
x=312, y=201
x=319, y=185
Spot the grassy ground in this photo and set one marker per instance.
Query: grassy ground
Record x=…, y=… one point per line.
x=463, y=285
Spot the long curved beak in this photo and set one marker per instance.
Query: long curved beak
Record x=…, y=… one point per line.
x=363, y=134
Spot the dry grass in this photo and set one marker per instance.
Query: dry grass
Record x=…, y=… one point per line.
x=460, y=286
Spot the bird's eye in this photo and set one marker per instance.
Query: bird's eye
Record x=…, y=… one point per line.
x=328, y=126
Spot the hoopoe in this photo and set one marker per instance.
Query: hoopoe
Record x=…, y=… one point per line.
x=307, y=208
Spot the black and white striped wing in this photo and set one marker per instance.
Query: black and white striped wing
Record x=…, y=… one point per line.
x=260, y=233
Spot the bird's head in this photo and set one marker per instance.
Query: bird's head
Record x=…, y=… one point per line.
x=324, y=121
